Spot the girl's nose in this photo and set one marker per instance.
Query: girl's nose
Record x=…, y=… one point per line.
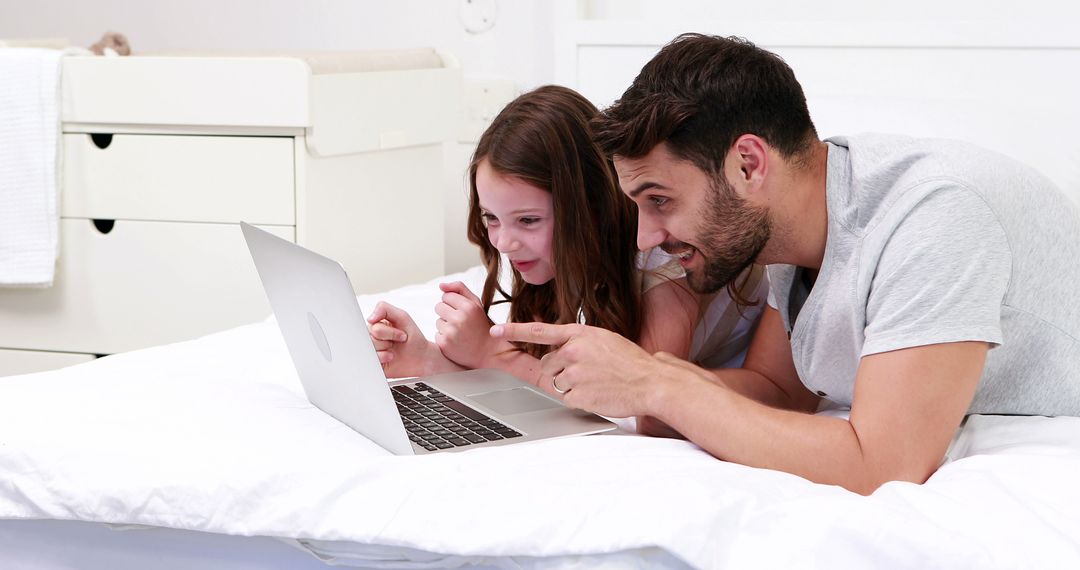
x=505, y=242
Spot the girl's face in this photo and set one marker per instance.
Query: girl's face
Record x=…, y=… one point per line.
x=520, y=221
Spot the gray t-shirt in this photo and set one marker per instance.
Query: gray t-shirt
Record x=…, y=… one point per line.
x=936, y=241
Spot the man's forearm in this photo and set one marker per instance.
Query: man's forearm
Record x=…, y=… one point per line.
x=734, y=427
x=757, y=387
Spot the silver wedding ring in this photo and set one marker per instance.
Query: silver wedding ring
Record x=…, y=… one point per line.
x=556, y=386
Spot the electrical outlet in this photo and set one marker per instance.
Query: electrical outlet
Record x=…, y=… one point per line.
x=477, y=16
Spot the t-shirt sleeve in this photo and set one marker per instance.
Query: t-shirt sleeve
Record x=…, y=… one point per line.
x=940, y=277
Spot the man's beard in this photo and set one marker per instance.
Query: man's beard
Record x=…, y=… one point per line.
x=732, y=234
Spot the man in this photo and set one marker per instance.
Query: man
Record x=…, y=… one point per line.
x=916, y=281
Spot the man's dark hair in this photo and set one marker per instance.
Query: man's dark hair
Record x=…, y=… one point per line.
x=699, y=94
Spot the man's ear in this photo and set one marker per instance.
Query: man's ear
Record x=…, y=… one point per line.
x=747, y=164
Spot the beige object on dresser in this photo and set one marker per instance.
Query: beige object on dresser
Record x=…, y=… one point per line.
x=165, y=154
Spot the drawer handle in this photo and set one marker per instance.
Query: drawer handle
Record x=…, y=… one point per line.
x=101, y=140
x=104, y=226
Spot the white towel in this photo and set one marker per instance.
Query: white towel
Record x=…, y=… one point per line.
x=29, y=139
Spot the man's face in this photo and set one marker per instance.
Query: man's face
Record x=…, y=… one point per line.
x=713, y=232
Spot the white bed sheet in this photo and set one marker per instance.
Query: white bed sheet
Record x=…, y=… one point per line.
x=214, y=435
x=63, y=545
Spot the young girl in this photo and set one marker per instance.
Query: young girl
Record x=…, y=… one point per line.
x=545, y=197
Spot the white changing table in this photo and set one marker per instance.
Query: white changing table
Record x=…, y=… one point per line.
x=165, y=154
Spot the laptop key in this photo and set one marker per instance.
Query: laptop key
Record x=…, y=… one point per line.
x=466, y=410
x=440, y=421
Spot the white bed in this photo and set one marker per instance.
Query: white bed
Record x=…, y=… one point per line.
x=206, y=454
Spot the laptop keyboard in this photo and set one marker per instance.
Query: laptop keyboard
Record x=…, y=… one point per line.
x=436, y=421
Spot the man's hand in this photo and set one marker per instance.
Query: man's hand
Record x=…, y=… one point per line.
x=597, y=370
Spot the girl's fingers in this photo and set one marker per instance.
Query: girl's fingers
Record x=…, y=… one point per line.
x=382, y=331
x=444, y=311
x=459, y=288
x=390, y=313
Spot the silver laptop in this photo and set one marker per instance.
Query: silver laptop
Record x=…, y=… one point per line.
x=328, y=340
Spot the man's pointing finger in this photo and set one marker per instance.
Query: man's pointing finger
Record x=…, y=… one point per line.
x=535, y=333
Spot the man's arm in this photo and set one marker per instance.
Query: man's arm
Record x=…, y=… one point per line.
x=767, y=376
x=907, y=405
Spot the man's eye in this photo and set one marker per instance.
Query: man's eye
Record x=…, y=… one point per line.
x=658, y=200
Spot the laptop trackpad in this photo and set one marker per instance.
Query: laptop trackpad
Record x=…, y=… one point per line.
x=514, y=401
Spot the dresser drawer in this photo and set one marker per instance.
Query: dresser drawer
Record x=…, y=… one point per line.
x=142, y=284
x=14, y=362
x=179, y=178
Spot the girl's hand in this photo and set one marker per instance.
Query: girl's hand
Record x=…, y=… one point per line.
x=402, y=349
x=463, y=327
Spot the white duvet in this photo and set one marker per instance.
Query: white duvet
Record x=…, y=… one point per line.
x=215, y=435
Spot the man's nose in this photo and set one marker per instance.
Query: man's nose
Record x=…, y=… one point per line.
x=649, y=234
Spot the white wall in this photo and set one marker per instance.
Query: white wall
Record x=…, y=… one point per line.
x=999, y=74
x=517, y=46
x=913, y=11
x=524, y=48
x=514, y=55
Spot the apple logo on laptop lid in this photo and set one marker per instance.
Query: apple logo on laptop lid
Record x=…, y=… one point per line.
x=320, y=337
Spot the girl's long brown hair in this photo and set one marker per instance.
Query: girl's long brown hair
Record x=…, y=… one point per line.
x=543, y=138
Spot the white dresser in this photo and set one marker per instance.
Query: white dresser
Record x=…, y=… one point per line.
x=164, y=155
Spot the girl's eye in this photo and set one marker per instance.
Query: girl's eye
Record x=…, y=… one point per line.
x=489, y=220
x=528, y=221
